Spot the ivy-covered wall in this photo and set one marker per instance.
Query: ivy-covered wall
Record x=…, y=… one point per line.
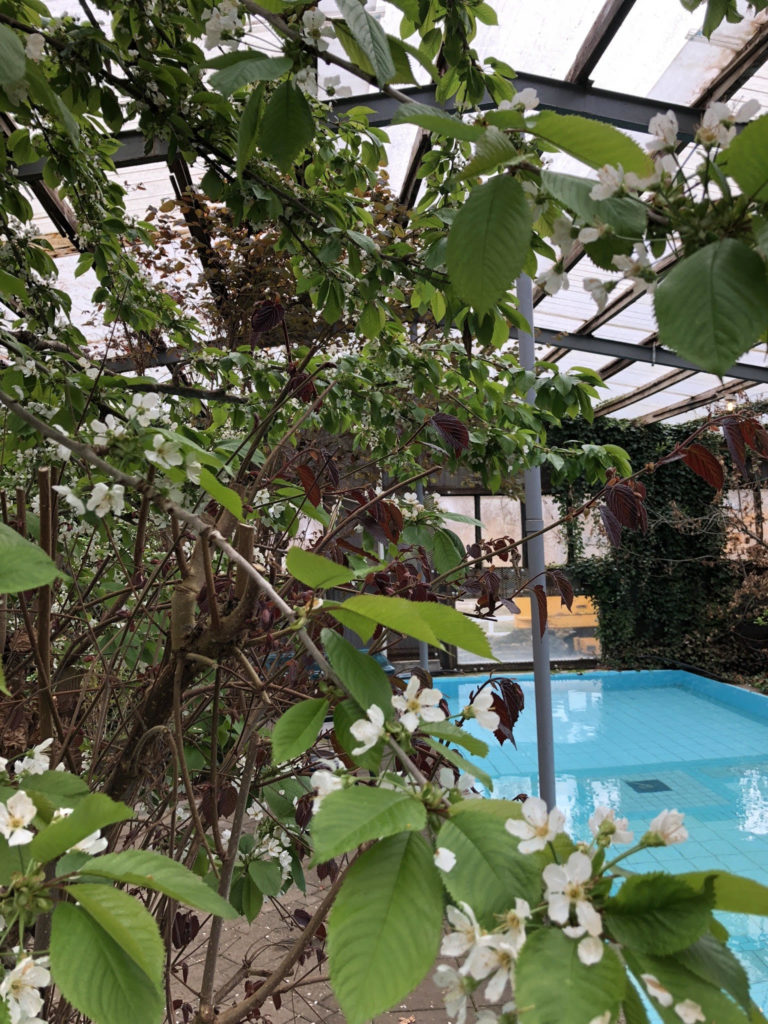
x=662, y=596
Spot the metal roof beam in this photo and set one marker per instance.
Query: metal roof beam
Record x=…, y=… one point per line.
x=645, y=391
x=741, y=68
x=599, y=38
x=640, y=354
x=694, y=402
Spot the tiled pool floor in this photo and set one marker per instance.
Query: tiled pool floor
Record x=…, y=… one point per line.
x=643, y=742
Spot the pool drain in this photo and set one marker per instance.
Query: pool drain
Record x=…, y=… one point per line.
x=647, y=785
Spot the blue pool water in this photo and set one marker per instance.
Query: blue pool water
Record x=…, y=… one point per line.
x=685, y=742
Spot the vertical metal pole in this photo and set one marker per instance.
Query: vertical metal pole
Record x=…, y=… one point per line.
x=533, y=523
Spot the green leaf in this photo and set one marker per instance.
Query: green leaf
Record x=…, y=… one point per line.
x=13, y=60
x=713, y=305
x=13, y=859
x=247, y=132
x=489, y=241
x=714, y=962
x=349, y=817
x=345, y=715
x=60, y=789
x=593, y=142
x=746, y=159
x=131, y=926
x=23, y=565
x=357, y=623
x=462, y=763
x=385, y=926
x=455, y=734
x=10, y=285
x=225, y=496
x=567, y=991
x=266, y=875
x=371, y=37
x=485, y=850
x=314, y=570
x=684, y=984
x=363, y=677
x=448, y=551
x=451, y=626
x=296, y=730
x=632, y=1005
x=92, y=813
x=493, y=148
x=287, y=125
x=102, y=981
x=433, y=119
x=161, y=874
x=258, y=68
x=731, y=892
x=626, y=216
x=657, y=913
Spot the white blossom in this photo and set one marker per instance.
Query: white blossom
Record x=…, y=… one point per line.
x=717, y=126
x=316, y=29
x=61, y=450
x=664, y=128
x=602, y=1018
x=368, y=731
x=35, y=46
x=656, y=989
x=108, y=427
x=324, y=782
x=591, y=234
x=689, y=1012
x=70, y=497
x=144, y=408
x=466, y=931
x=526, y=99
x=480, y=710
x=223, y=20
x=455, y=992
x=665, y=829
x=537, y=827
x=604, y=824
x=105, y=499
x=306, y=80
x=444, y=858
x=562, y=235
x=747, y=111
x=566, y=888
x=553, y=280
x=597, y=290
x=20, y=989
x=416, y=703
x=192, y=468
x=637, y=269
x=165, y=453
x=15, y=814
x=332, y=85
x=514, y=921
x=38, y=761
x=590, y=950
x=611, y=181
x=493, y=955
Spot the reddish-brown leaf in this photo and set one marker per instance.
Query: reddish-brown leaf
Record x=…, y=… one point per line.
x=267, y=316
x=564, y=587
x=623, y=503
x=704, y=464
x=755, y=435
x=310, y=485
x=734, y=438
x=510, y=605
x=612, y=526
x=541, y=601
x=452, y=430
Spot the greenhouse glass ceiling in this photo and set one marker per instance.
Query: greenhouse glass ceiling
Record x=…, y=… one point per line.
x=618, y=60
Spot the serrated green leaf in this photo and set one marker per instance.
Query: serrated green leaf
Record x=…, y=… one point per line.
x=60, y=789
x=455, y=734
x=10, y=285
x=154, y=871
x=489, y=241
x=315, y=571
x=247, y=132
x=371, y=37
x=626, y=216
x=287, y=125
x=731, y=892
x=447, y=550
x=258, y=68
x=676, y=978
x=102, y=981
x=225, y=496
x=493, y=149
x=484, y=849
x=714, y=962
x=23, y=565
x=267, y=875
x=451, y=626
x=595, y=143
x=296, y=730
x=357, y=623
x=388, y=912
x=349, y=817
x=93, y=812
x=632, y=1005
x=568, y=991
x=461, y=763
x=433, y=119
x=657, y=913
x=251, y=898
x=13, y=60
x=363, y=677
x=713, y=305
x=746, y=159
